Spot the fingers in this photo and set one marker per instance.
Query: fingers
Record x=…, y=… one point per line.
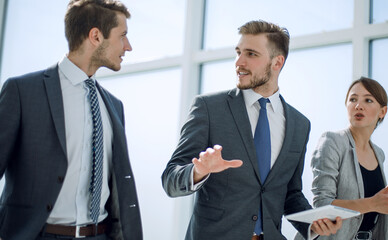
x=233, y=163
x=325, y=227
x=338, y=222
x=211, y=161
x=216, y=151
x=217, y=147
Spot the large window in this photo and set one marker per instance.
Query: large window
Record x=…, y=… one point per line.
x=301, y=17
x=151, y=120
x=34, y=36
x=378, y=70
x=156, y=29
x=182, y=48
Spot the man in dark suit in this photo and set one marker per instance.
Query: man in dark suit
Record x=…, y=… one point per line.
x=245, y=196
x=63, y=148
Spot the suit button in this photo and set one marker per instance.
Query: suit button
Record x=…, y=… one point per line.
x=262, y=189
x=60, y=179
x=254, y=217
x=49, y=207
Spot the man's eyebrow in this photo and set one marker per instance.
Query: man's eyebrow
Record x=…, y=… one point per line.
x=251, y=50
x=247, y=50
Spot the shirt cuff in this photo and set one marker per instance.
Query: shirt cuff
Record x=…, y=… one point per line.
x=194, y=187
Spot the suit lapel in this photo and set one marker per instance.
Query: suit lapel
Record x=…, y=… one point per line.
x=54, y=95
x=288, y=137
x=360, y=182
x=237, y=107
x=117, y=124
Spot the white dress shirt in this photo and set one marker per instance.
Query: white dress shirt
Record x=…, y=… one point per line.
x=276, y=118
x=73, y=203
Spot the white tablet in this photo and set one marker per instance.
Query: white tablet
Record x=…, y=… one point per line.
x=328, y=211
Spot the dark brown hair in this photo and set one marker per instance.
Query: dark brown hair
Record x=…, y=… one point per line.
x=374, y=88
x=83, y=15
x=278, y=37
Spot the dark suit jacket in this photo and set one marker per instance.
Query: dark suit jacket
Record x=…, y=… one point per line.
x=227, y=204
x=33, y=158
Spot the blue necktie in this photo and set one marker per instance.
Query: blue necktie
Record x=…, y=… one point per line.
x=262, y=140
x=97, y=152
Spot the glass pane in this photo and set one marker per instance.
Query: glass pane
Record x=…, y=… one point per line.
x=379, y=48
x=153, y=34
x=379, y=11
x=155, y=29
x=217, y=76
x=300, y=17
x=151, y=103
x=34, y=36
x=316, y=88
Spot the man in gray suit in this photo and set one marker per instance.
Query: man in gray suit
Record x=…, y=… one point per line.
x=236, y=198
x=48, y=141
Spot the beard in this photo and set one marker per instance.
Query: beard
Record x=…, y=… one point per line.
x=257, y=81
x=99, y=58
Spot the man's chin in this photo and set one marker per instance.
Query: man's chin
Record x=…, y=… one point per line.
x=243, y=86
x=114, y=68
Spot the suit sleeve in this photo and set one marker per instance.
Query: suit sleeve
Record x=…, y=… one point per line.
x=176, y=178
x=295, y=199
x=325, y=163
x=9, y=122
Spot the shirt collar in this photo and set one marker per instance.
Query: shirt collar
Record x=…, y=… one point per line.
x=72, y=72
x=251, y=97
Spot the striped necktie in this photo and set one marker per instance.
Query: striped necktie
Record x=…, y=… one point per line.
x=97, y=152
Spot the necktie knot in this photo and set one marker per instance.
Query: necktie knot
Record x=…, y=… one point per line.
x=90, y=83
x=263, y=102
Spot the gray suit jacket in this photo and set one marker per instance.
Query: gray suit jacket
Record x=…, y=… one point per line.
x=33, y=158
x=337, y=175
x=227, y=204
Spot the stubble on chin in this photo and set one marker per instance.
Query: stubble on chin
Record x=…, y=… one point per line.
x=256, y=81
x=99, y=58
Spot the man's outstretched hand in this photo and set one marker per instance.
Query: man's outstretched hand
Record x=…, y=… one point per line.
x=211, y=161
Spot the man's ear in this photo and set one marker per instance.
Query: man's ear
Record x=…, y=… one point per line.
x=278, y=62
x=95, y=36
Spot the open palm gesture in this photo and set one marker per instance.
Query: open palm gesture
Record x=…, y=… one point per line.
x=211, y=161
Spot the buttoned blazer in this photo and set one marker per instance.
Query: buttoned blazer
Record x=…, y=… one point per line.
x=227, y=204
x=33, y=158
x=337, y=175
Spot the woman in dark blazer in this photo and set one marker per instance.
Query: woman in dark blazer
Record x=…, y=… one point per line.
x=348, y=167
